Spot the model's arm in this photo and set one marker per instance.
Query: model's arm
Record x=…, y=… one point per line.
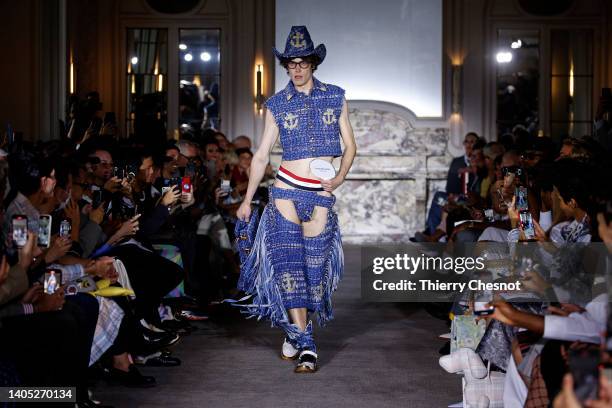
x=261, y=158
x=350, y=149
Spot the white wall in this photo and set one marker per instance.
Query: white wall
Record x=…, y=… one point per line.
x=387, y=50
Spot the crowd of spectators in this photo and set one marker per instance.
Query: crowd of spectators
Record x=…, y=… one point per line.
x=111, y=250
x=539, y=214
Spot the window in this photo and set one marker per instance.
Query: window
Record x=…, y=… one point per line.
x=147, y=73
x=518, y=67
x=571, y=83
x=199, y=78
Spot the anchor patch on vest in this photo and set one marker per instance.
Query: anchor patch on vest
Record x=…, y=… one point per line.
x=297, y=40
x=291, y=121
x=288, y=282
x=329, y=117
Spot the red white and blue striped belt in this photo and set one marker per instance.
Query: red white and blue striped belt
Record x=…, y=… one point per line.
x=296, y=181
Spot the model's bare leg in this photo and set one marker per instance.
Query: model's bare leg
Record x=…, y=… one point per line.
x=298, y=317
x=287, y=209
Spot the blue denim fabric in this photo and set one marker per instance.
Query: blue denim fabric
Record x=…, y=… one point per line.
x=285, y=270
x=309, y=125
x=434, y=217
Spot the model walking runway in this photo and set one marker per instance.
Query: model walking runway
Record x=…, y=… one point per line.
x=374, y=354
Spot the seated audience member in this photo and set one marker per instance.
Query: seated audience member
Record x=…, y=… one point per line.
x=491, y=151
x=460, y=171
x=242, y=142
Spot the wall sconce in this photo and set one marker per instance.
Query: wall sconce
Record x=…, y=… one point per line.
x=259, y=98
x=72, y=75
x=456, y=94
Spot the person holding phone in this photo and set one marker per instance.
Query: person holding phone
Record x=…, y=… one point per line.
x=35, y=184
x=296, y=261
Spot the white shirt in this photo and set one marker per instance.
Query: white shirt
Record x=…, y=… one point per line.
x=587, y=327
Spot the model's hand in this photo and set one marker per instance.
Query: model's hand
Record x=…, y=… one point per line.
x=244, y=211
x=331, y=185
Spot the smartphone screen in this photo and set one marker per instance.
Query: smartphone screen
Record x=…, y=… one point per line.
x=186, y=185
x=527, y=224
x=65, y=229
x=20, y=229
x=44, y=231
x=481, y=299
x=225, y=186
x=521, y=199
x=585, y=371
x=53, y=280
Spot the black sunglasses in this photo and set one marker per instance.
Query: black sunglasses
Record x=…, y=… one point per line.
x=512, y=169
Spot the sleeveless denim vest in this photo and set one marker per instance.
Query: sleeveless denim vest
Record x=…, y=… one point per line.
x=308, y=124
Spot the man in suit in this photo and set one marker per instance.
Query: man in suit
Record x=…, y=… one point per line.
x=454, y=188
x=460, y=164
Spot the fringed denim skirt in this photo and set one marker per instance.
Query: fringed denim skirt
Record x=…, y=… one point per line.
x=283, y=269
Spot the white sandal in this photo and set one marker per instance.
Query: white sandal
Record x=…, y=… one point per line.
x=289, y=352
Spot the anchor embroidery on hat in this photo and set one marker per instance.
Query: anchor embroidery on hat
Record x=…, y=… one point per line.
x=288, y=283
x=329, y=117
x=291, y=121
x=297, y=40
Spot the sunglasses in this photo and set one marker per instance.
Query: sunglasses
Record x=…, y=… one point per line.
x=512, y=169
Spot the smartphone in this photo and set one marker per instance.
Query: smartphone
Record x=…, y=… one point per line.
x=186, y=185
x=526, y=221
x=521, y=198
x=130, y=172
x=44, y=230
x=225, y=187
x=19, y=224
x=53, y=280
x=178, y=182
x=119, y=171
x=583, y=365
x=97, y=198
x=489, y=215
x=65, y=228
x=481, y=299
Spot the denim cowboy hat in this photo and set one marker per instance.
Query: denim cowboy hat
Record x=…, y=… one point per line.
x=300, y=45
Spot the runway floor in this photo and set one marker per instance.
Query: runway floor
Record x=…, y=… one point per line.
x=371, y=355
